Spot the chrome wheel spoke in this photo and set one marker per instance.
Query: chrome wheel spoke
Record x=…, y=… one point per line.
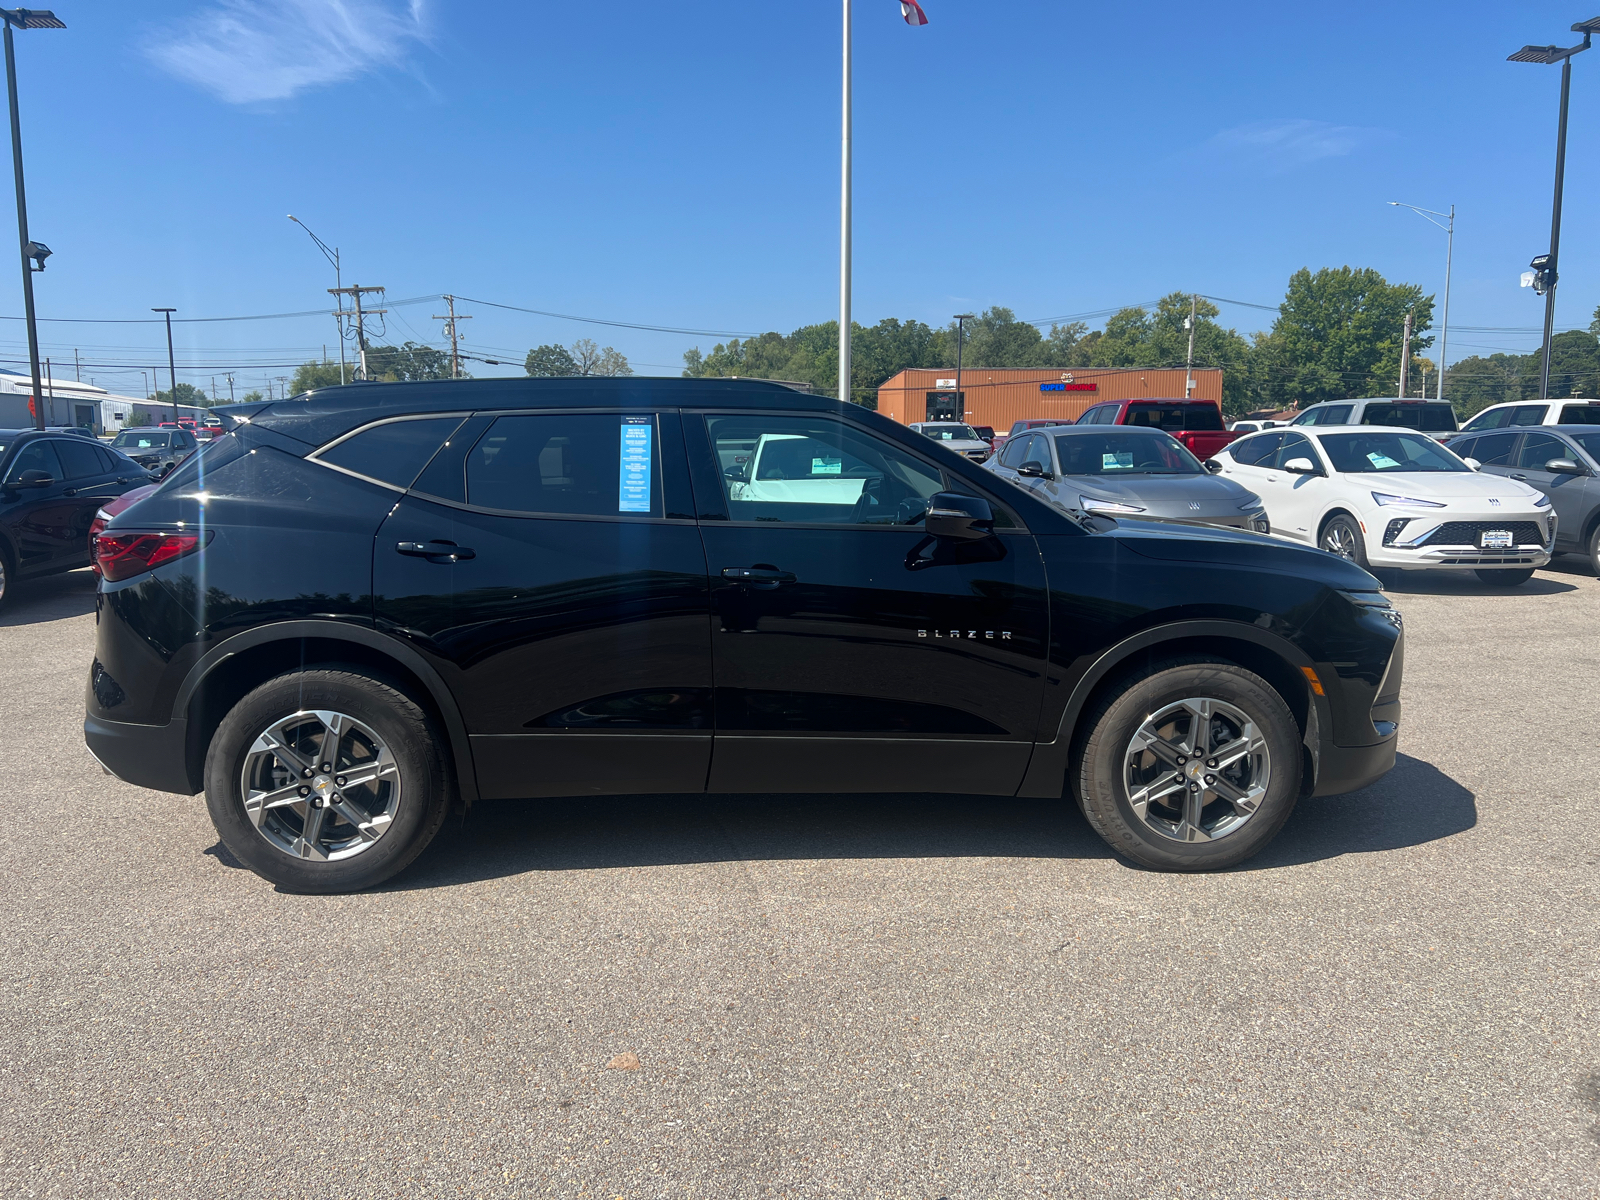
x=1164, y=786
x=1173, y=770
x=309, y=843
x=369, y=773
x=368, y=826
x=257, y=803
x=1248, y=742
x=1191, y=828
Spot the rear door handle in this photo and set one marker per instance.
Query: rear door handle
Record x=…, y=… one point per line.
x=759, y=577
x=436, y=551
x=69, y=491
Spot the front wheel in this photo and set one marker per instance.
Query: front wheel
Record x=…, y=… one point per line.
x=1505, y=576
x=1342, y=536
x=1594, y=550
x=1192, y=767
x=326, y=781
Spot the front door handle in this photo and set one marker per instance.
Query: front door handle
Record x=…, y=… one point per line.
x=1524, y=478
x=436, y=551
x=758, y=577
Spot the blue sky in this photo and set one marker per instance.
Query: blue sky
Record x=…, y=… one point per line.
x=677, y=165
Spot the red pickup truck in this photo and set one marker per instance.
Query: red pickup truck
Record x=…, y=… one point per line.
x=1195, y=423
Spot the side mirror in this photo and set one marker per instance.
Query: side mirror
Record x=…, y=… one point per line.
x=1301, y=466
x=1564, y=466
x=739, y=474
x=1213, y=465
x=33, y=479
x=962, y=518
x=1034, y=471
x=1473, y=463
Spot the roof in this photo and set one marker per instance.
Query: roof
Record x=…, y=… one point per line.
x=323, y=414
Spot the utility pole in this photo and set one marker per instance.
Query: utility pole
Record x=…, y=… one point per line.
x=77, y=366
x=172, y=363
x=230, y=387
x=50, y=388
x=450, y=329
x=846, y=394
x=1405, y=355
x=355, y=292
x=1188, y=370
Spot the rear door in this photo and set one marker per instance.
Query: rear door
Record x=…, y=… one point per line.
x=851, y=652
x=548, y=565
x=91, y=481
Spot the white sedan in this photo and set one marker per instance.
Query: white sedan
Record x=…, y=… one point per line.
x=1390, y=498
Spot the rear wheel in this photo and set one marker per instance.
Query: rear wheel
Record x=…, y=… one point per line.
x=326, y=781
x=1342, y=536
x=1594, y=550
x=1194, y=767
x=1505, y=576
x=5, y=576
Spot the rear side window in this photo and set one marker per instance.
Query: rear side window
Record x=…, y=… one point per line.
x=1529, y=414
x=1253, y=450
x=1492, y=449
x=108, y=461
x=1427, y=418
x=394, y=452
x=579, y=464
x=1580, y=414
x=79, y=459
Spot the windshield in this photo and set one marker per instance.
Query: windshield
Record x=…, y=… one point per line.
x=140, y=440
x=1386, y=453
x=1114, y=453
x=1433, y=418
x=1175, y=416
x=950, y=433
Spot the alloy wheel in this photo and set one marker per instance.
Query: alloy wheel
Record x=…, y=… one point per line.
x=320, y=785
x=1338, y=539
x=1197, y=770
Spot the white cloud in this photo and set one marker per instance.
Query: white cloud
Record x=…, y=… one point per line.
x=254, y=50
x=1291, y=143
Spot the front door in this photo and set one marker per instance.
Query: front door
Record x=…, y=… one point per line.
x=850, y=651
x=1294, y=502
x=1568, y=493
x=556, y=581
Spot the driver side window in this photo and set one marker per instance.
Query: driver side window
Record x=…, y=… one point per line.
x=816, y=470
x=36, y=456
x=1016, y=446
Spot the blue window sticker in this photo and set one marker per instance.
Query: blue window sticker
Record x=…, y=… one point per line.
x=633, y=488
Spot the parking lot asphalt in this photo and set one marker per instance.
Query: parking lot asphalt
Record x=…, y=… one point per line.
x=905, y=996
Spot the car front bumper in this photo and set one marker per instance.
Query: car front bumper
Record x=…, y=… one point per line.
x=1413, y=542
x=1343, y=769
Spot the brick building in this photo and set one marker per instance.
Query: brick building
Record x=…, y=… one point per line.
x=998, y=396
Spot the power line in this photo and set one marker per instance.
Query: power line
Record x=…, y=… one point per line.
x=616, y=324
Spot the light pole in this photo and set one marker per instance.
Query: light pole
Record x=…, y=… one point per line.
x=332, y=255
x=845, y=390
x=172, y=363
x=1544, y=274
x=26, y=18
x=1428, y=214
x=961, y=320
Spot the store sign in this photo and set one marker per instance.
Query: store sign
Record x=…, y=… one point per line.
x=944, y=383
x=1069, y=387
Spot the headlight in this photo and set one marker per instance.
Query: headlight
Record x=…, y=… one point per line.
x=1107, y=506
x=1250, y=503
x=1541, y=501
x=1386, y=499
x=1378, y=603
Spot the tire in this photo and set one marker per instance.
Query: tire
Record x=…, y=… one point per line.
x=1505, y=576
x=1342, y=535
x=374, y=817
x=1110, y=763
x=1594, y=550
x=8, y=578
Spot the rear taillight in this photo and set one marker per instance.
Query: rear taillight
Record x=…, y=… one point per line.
x=96, y=527
x=123, y=555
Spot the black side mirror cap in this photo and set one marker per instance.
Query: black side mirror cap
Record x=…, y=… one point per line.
x=1564, y=466
x=962, y=518
x=1034, y=471
x=33, y=479
x=739, y=474
x=1213, y=465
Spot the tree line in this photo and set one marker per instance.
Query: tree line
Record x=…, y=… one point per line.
x=1338, y=333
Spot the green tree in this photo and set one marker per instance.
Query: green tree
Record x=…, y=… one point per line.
x=137, y=418
x=406, y=363
x=187, y=393
x=252, y=398
x=547, y=362
x=605, y=361
x=311, y=375
x=1339, y=333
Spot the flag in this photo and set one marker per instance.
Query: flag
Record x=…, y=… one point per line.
x=912, y=12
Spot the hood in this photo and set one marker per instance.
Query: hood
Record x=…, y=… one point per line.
x=1156, y=489
x=961, y=445
x=1443, y=485
x=1236, y=547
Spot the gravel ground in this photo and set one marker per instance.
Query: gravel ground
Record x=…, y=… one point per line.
x=904, y=996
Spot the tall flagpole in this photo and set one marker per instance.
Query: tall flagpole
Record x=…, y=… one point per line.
x=845, y=392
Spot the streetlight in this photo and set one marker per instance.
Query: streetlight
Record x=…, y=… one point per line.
x=332, y=255
x=172, y=364
x=1543, y=277
x=1428, y=214
x=26, y=18
x=961, y=320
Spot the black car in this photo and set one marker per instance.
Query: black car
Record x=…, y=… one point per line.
x=51, y=485
x=1563, y=462
x=159, y=450
x=369, y=603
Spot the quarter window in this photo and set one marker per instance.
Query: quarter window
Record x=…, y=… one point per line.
x=582, y=464
x=815, y=470
x=394, y=452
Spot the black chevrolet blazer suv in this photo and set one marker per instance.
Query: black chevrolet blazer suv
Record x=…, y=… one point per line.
x=373, y=603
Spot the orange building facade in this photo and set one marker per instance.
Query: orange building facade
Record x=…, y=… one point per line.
x=999, y=396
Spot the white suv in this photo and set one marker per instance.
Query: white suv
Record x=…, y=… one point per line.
x=1541, y=412
x=1433, y=417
